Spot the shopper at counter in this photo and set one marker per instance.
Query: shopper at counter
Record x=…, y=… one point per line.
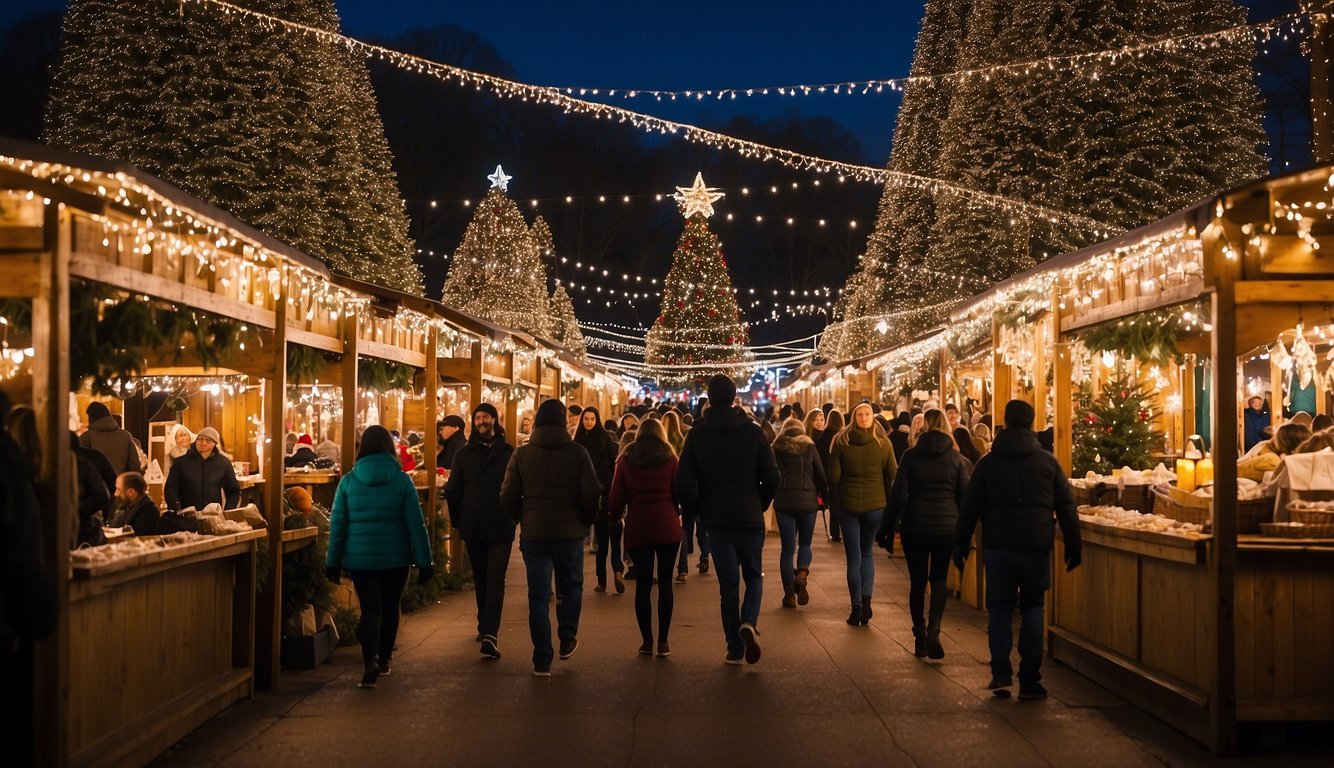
x=202, y=476
x=1256, y=418
x=136, y=508
x=1270, y=454
x=105, y=435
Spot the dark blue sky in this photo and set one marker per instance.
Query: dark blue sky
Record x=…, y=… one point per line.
x=677, y=46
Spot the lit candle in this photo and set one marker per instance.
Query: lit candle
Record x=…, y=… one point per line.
x=1186, y=474
x=1204, y=471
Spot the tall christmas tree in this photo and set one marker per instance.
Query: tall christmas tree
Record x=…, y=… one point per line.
x=889, y=273
x=496, y=273
x=279, y=130
x=1115, y=429
x=1148, y=135
x=564, y=324
x=699, y=331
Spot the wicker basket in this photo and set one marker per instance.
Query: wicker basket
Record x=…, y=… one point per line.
x=1175, y=503
x=1136, y=497
x=1311, y=516
x=1297, y=530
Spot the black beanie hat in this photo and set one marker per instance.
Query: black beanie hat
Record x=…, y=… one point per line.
x=548, y=413
x=1018, y=415
x=487, y=408
x=97, y=411
x=722, y=391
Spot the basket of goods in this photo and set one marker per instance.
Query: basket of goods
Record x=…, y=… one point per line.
x=1296, y=530
x=1127, y=488
x=1317, y=514
x=1252, y=508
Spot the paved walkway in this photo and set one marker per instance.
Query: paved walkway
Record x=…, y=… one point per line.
x=823, y=694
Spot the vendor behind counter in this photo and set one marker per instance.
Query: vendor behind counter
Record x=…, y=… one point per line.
x=202, y=476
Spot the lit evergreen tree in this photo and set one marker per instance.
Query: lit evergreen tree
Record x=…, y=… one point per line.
x=699, y=331
x=1149, y=135
x=564, y=324
x=1115, y=429
x=279, y=130
x=496, y=272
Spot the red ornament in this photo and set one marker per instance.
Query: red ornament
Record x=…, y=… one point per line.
x=713, y=313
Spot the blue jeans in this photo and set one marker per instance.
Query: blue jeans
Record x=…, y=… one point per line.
x=737, y=554
x=1016, y=577
x=796, y=530
x=540, y=558
x=858, y=544
x=690, y=528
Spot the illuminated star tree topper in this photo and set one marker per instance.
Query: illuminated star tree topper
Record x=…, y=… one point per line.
x=698, y=198
x=499, y=180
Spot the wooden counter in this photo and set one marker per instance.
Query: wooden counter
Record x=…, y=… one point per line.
x=159, y=643
x=1136, y=617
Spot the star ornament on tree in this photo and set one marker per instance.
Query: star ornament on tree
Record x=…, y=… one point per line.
x=499, y=179
x=698, y=198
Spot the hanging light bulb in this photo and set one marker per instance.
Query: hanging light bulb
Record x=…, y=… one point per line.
x=1109, y=359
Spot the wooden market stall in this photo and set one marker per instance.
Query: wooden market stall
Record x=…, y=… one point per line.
x=1207, y=630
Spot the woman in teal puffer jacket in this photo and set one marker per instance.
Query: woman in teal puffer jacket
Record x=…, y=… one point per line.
x=376, y=530
x=861, y=474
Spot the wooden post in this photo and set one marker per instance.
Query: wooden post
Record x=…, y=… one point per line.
x=1062, y=390
x=429, y=448
x=1040, y=342
x=351, y=393
x=50, y=385
x=1223, y=273
x=511, y=409
x=1000, y=373
x=269, y=604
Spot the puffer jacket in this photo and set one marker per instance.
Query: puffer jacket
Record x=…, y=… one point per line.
x=861, y=473
x=197, y=482
x=801, y=474
x=928, y=488
x=1013, y=492
x=602, y=451
x=377, y=522
x=473, y=492
x=114, y=443
x=641, y=490
x=727, y=475
x=551, y=489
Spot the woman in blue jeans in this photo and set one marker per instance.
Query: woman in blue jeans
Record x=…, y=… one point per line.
x=861, y=474
x=801, y=484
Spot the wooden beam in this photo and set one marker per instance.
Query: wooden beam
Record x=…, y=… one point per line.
x=1174, y=295
x=379, y=349
x=134, y=281
x=1062, y=391
x=50, y=401
x=1223, y=564
x=314, y=340
x=430, y=448
x=21, y=275
x=1284, y=291
x=351, y=392
x=59, y=193
x=269, y=609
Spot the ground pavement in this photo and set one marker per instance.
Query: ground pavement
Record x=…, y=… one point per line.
x=823, y=694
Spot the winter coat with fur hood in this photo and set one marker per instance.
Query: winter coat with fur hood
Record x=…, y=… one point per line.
x=641, y=490
x=801, y=481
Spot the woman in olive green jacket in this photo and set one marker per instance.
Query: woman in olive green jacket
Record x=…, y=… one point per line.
x=861, y=474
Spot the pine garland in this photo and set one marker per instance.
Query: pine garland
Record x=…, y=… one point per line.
x=384, y=376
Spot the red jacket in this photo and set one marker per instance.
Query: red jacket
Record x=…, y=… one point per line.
x=641, y=491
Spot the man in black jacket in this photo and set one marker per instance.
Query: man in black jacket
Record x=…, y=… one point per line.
x=1013, y=491
x=473, y=494
x=450, y=432
x=552, y=491
x=202, y=476
x=135, y=507
x=728, y=476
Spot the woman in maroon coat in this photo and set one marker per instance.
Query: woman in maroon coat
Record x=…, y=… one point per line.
x=641, y=494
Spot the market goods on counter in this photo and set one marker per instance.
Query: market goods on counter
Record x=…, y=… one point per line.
x=127, y=548
x=1118, y=517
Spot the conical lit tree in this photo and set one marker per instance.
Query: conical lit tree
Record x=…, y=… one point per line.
x=699, y=331
x=564, y=324
x=496, y=272
x=280, y=130
x=1148, y=135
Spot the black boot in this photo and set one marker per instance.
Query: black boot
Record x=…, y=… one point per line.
x=855, y=618
x=934, y=649
x=919, y=639
x=866, y=610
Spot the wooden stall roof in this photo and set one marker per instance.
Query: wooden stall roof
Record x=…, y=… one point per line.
x=12, y=149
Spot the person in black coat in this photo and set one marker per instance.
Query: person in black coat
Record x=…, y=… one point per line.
x=899, y=430
x=94, y=502
x=1013, y=492
x=602, y=449
x=450, y=431
x=473, y=495
x=833, y=424
x=728, y=476
x=801, y=485
x=202, y=476
x=924, y=503
x=136, y=508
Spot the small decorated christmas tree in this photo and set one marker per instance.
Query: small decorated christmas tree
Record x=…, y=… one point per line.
x=699, y=331
x=496, y=273
x=1115, y=429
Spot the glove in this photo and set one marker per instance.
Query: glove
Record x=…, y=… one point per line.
x=425, y=574
x=1073, y=558
x=885, y=540
x=959, y=556
x=333, y=573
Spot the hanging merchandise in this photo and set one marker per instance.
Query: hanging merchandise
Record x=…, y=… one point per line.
x=1303, y=359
